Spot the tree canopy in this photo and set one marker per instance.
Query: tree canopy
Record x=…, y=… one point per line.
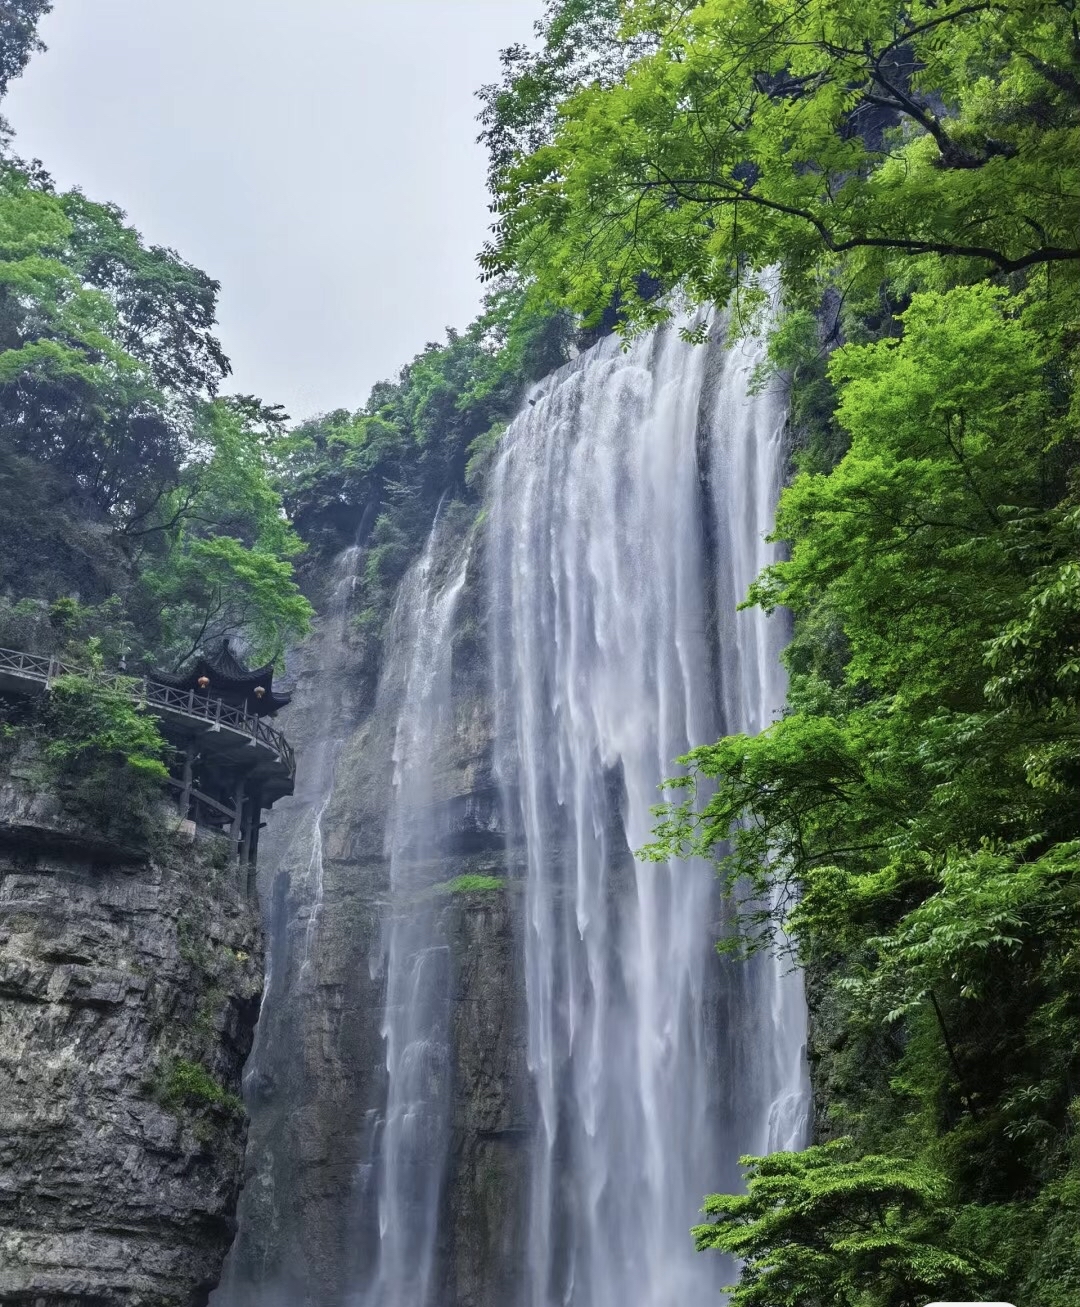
x=18, y=36
x=129, y=480
x=750, y=134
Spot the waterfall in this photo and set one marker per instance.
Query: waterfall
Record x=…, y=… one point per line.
x=520, y=1100
x=627, y=518
x=328, y=732
x=412, y=1139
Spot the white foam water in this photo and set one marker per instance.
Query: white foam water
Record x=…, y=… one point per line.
x=413, y=1136
x=627, y=518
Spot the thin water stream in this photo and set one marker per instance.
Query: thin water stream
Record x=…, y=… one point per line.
x=413, y=1135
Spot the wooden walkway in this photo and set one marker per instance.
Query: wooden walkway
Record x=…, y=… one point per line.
x=236, y=737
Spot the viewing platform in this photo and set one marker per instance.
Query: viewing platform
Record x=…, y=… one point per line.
x=229, y=762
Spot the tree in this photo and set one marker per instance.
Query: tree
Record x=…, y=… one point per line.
x=18, y=36
x=805, y=135
x=165, y=308
x=581, y=42
x=830, y=1228
x=108, y=368
x=105, y=346
x=215, y=556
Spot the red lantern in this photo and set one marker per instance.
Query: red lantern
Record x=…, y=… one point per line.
x=203, y=682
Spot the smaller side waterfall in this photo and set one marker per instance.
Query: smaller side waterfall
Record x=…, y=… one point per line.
x=413, y=1140
x=328, y=732
x=259, y=1272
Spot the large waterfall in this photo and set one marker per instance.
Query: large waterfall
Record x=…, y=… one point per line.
x=500, y=1061
x=627, y=520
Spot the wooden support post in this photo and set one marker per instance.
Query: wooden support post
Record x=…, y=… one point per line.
x=238, y=815
x=185, y=793
x=256, y=826
x=253, y=851
x=251, y=808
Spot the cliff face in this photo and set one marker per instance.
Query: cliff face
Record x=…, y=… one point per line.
x=317, y=1088
x=129, y=990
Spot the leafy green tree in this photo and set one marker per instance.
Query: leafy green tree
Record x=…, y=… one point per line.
x=830, y=1228
x=164, y=307
x=217, y=553
x=105, y=346
x=581, y=42
x=108, y=365
x=805, y=135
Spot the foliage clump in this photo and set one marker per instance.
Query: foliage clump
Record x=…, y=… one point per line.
x=186, y=1085
x=129, y=481
x=830, y=1228
x=471, y=883
x=101, y=753
x=703, y=143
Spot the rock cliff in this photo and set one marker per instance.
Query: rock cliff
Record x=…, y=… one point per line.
x=129, y=990
x=317, y=1087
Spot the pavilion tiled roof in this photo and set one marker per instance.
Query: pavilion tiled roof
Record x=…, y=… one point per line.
x=229, y=679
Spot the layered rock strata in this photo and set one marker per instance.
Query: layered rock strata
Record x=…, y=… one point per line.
x=129, y=991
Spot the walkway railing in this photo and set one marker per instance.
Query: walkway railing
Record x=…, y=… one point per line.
x=152, y=695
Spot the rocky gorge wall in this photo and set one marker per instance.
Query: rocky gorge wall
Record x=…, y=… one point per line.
x=317, y=1083
x=129, y=991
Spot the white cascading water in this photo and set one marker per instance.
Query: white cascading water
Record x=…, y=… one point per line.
x=627, y=519
x=414, y=1135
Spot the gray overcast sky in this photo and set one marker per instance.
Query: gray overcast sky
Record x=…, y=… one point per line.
x=316, y=156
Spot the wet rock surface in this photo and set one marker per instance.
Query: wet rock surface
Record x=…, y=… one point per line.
x=317, y=1086
x=129, y=990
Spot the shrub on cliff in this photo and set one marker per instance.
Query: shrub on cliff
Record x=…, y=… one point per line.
x=184, y=1084
x=104, y=754
x=821, y=1228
